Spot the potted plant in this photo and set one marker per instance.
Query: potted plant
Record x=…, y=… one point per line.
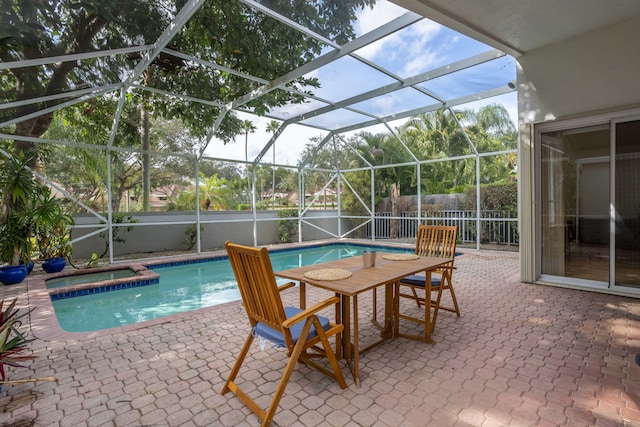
x=52, y=229
x=15, y=248
x=18, y=191
x=30, y=213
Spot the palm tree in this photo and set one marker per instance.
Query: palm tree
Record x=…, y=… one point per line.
x=381, y=149
x=272, y=127
x=248, y=127
x=211, y=189
x=437, y=135
x=495, y=120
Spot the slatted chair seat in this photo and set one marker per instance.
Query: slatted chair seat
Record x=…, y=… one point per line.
x=304, y=333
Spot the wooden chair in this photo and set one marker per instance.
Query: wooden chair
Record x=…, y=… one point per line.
x=432, y=241
x=299, y=331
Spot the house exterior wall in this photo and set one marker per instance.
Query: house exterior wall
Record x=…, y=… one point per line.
x=593, y=73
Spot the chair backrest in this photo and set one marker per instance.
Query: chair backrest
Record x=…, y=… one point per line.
x=258, y=287
x=437, y=241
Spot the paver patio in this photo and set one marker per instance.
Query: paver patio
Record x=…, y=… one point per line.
x=520, y=355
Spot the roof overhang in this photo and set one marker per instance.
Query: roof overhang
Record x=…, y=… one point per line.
x=520, y=26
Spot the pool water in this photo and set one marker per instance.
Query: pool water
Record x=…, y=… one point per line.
x=77, y=279
x=182, y=288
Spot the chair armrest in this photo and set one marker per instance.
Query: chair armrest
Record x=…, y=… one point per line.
x=310, y=311
x=286, y=286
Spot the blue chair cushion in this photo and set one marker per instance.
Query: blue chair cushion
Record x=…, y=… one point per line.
x=416, y=280
x=276, y=337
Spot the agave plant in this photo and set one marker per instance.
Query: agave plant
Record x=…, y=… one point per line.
x=12, y=342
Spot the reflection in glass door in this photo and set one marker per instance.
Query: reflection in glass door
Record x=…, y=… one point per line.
x=574, y=208
x=627, y=204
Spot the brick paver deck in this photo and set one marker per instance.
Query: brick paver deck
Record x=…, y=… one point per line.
x=520, y=355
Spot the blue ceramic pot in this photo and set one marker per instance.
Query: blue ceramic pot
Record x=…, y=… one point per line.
x=29, y=267
x=54, y=265
x=10, y=275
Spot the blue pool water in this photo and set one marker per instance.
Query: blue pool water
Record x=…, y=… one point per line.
x=181, y=288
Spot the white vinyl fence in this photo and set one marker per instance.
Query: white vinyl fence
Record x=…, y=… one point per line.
x=496, y=227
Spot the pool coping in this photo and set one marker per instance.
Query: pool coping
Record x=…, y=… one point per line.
x=44, y=322
x=142, y=277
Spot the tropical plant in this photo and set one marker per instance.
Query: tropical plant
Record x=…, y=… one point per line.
x=212, y=192
x=119, y=231
x=93, y=261
x=52, y=226
x=248, y=127
x=18, y=190
x=438, y=135
x=495, y=197
x=191, y=235
x=381, y=149
x=30, y=212
x=183, y=201
x=272, y=128
x=13, y=343
x=84, y=171
x=287, y=228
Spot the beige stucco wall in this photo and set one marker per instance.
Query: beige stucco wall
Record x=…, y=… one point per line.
x=596, y=72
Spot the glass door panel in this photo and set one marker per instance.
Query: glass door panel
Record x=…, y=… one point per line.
x=575, y=203
x=627, y=204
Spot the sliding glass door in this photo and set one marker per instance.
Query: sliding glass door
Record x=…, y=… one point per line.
x=589, y=205
x=574, y=203
x=627, y=204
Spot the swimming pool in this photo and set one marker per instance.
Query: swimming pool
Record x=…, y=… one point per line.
x=183, y=287
x=89, y=277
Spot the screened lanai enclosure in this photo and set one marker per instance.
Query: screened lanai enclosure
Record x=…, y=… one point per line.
x=170, y=126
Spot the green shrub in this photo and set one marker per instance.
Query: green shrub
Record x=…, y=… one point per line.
x=492, y=197
x=118, y=233
x=287, y=228
x=191, y=235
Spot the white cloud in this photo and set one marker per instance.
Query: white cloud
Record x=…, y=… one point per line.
x=411, y=47
x=418, y=47
x=370, y=19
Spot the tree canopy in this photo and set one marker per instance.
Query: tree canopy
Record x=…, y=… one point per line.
x=229, y=34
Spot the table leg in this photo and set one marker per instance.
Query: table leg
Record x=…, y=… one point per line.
x=427, y=308
x=339, y=338
x=374, y=317
x=346, y=332
x=303, y=295
x=356, y=344
x=387, y=331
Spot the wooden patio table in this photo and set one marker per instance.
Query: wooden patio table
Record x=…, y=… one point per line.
x=384, y=273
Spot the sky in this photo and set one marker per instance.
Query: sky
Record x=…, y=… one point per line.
x=416, y=49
